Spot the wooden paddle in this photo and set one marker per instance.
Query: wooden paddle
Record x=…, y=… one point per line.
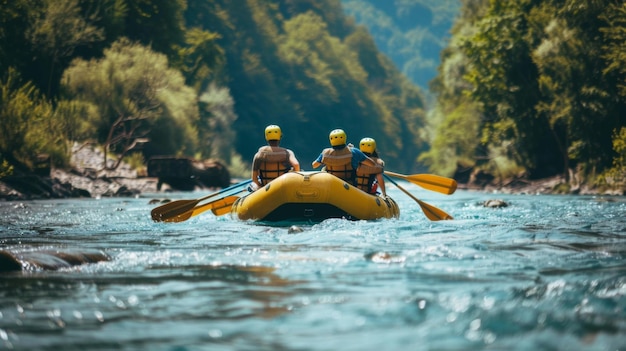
x=216, y=205
x=429, y=181
x=433, y=213
x=177, y=208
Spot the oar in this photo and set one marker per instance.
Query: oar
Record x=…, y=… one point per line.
x=219, y=203
x=223, y=207
x=433, y=213
x=179, y=207
x=429, y=181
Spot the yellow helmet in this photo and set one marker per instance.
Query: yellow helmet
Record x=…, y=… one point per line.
x=337, y=137
x=367, y=145
x=273, y=132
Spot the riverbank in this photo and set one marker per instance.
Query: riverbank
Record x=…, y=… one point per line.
x=124, y=182
x=72, y=184
x=552, y=185
x=86, y=179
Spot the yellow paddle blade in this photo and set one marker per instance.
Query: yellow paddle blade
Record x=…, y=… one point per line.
x=178, y=218
x=434, y=182
x=219, y=205
x=176, y=211
x=431, y=212
x=429, y=181
x=172, y=210
x=224, y=206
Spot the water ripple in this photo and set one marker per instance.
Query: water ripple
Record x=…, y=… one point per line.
x=546, y=272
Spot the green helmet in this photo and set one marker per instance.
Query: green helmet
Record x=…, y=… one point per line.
x=273, y=132
x=337, y=137
x=367, y=145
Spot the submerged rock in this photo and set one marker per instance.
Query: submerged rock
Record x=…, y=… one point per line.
x=495, y=203
x=294, y=229
x=32, y=187
x=48, y=259
x=9, y=263
x=384, y=257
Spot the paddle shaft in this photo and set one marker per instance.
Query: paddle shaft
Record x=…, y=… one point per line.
x=234, y=186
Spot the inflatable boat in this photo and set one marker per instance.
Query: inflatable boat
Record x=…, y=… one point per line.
x=312, y=196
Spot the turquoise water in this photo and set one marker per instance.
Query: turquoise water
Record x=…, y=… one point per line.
x=545, y=273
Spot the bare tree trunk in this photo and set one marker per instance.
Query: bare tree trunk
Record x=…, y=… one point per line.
x=124, y=130
x=563, y=151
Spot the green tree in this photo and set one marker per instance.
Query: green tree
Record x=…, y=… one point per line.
x=14, y=47
x=15, y=108
x=157, y=23
x=455, y=140
x=231, y=53
x=56, y=33
x=25, y=122
x=200, y=58
x=412, y=33
x=312, y=54
x=456, y=121
x=137, y=96
x=504, y=80
x=614, y=46
x=617, y=173
x=301, y=65
x=545, y=76
x=369, y=57
x=217, y=116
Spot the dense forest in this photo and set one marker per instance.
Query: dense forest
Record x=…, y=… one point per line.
x=533, y=87
x=412, y=33
x=198, y=78
x=530, y=87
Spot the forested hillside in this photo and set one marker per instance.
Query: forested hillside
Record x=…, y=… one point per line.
x=412, y=33
x=200, y=78
x=528, y=87
x=534, y=87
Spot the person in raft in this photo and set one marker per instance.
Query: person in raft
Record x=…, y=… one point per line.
x=370, y=179
x=272, y=161
x=341, y=160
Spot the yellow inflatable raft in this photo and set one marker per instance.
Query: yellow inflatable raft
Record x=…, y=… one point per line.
x=312, y=196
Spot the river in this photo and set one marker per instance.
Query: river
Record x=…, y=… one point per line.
x=548, y=272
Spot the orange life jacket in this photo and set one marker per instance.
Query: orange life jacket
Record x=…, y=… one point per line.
x=272, y=162
x=339, y=163
x=366, y=175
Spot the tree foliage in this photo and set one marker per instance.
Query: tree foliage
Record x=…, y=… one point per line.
x=217, y=115
x=614, y=45
x=618, y=172
x=547, y=77
x=412, y=33
x=536, y=85
x=58, y=30
x=136, y=95
x=204, y=77
x=26, y=124
x=304, y=65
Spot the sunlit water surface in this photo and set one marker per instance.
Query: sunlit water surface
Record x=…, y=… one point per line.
x=545, y=273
